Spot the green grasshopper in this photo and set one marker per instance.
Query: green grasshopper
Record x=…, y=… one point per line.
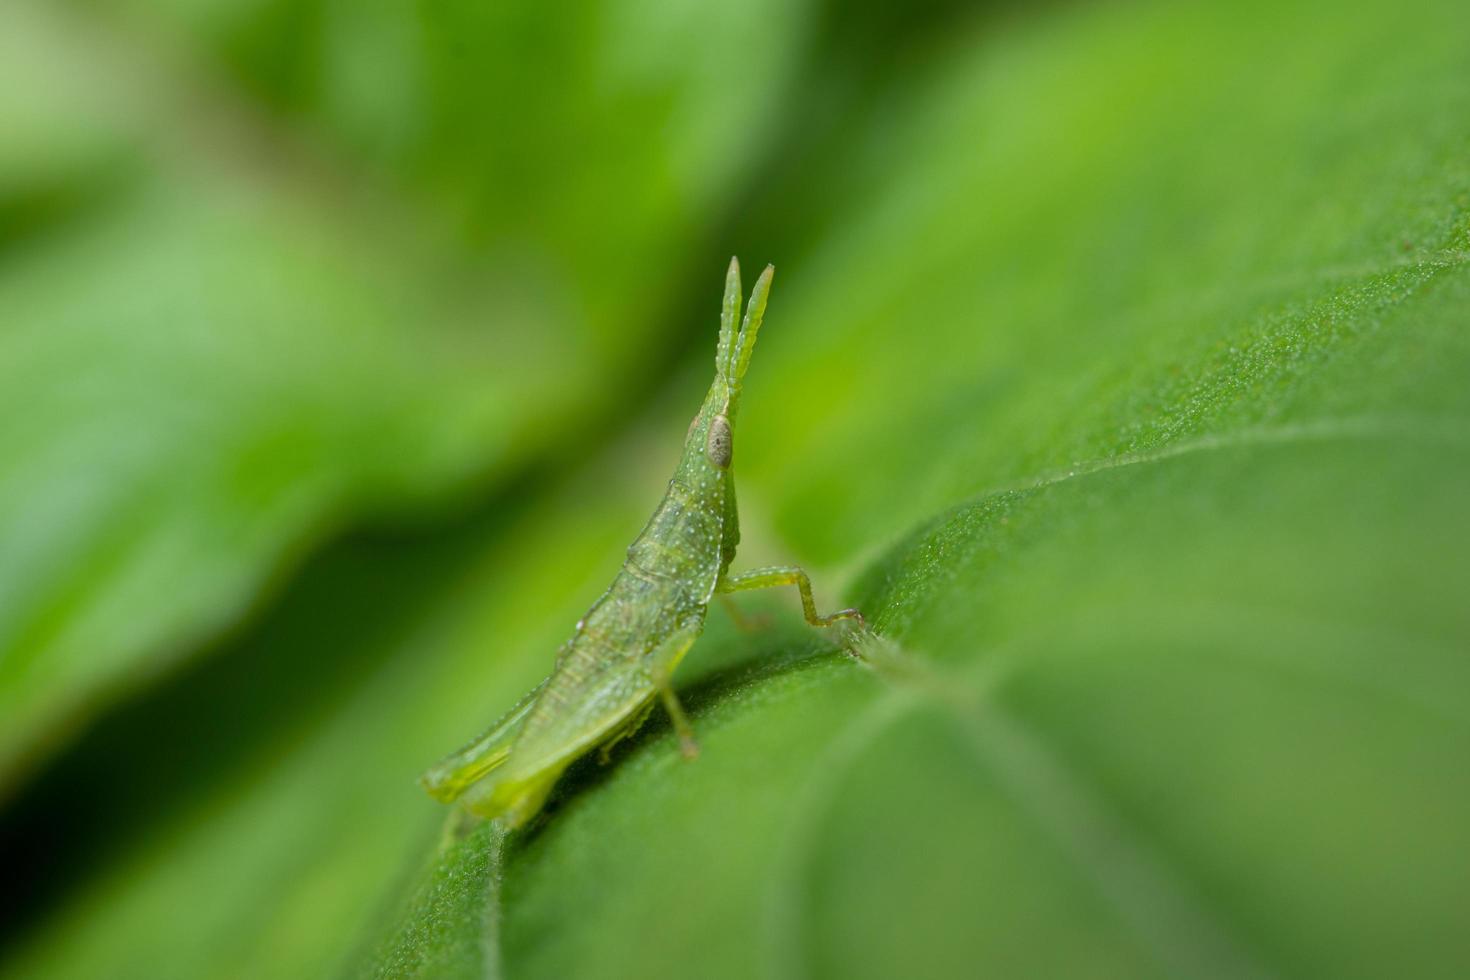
x=625, y=648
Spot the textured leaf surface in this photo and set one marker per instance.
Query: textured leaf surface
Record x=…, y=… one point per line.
x=1198, y=684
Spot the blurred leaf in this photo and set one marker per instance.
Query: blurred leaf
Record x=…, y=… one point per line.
x=590, y=149
x=1129, y=378
x=203, y=374
x=292, y=800
x=219, y=349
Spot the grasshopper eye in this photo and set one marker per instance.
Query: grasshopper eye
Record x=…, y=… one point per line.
x=719, y=446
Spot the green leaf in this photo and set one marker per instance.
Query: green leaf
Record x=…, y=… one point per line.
x=451, y=930
x=215, y=363
x=590, y=150
x=1123, y=372
x=203, y=386
x=1197, y=697
x=295, y=803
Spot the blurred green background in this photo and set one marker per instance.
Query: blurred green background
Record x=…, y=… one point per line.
x=1117, y=364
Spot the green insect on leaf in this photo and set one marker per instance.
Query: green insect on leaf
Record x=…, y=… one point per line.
x=625, y=649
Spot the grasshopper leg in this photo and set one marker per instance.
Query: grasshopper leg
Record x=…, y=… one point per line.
x=455, y=773
x=687, y=744
x=766, y=578
x=635, y=722
x=661, y=665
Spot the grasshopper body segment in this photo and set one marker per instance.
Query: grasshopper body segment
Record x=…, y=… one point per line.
x=620, y=658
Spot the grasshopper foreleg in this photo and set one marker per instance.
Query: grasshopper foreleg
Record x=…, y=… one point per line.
x=765, y=578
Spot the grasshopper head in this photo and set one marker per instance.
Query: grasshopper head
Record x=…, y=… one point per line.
x=710, y=441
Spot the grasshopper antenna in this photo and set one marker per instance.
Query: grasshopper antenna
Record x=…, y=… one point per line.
x=729, y=316
x=750, y=326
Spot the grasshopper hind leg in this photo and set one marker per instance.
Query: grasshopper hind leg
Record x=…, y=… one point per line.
x=459, y=770
x=627, y=730
x=514, y=801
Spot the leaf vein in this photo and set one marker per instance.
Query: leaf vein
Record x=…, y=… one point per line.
x=1158, y=905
